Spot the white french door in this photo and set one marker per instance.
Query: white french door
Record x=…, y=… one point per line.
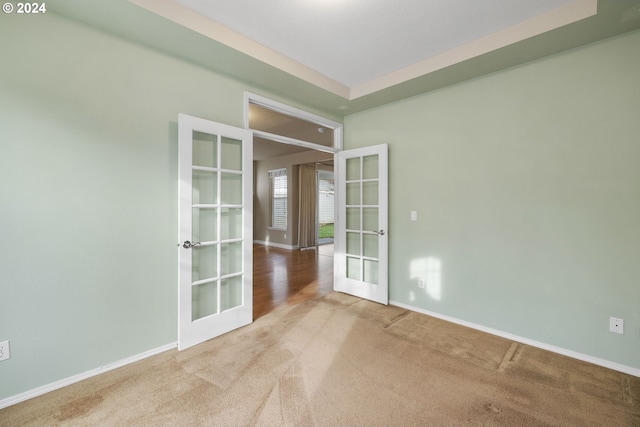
x=361, y=240
x=215, y=229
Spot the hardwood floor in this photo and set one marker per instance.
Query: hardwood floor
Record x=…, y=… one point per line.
x=283, y=276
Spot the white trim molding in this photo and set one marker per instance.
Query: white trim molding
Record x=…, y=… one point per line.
x=4, y=403
x=559, y=350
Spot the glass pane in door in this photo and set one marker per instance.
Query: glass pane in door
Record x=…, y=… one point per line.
x=370, y=193
x=231, y=189
x=231, y=154
x=205, y=187
x=204, y=300
x=370, y=245
x=353, y=169
x=204, y=262
x=204, y=224
x=205, y=149
x=353, y=193
x=354, y=270
x=371, y=271
x=370, y=167
x=370, y=219
x=230, y=223
x=353, y=219
x=230, y=293
x=353, y=243
x=230, y=258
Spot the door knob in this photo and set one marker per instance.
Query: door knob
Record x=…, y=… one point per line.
x=187, y=244
x=380, y=233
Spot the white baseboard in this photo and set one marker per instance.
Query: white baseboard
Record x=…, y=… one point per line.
x=559, y=350
x=275, y=245
x=76, y=378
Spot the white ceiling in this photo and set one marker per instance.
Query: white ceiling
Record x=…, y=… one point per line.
x=355, y=41
x=357, y=47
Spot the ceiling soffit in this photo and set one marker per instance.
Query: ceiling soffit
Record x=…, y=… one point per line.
x=316, y=92
x=568, y=13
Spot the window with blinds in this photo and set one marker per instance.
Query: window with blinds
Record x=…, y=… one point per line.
x=278, y=184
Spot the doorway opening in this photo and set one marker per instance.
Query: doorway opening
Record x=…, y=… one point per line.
x=301, y=147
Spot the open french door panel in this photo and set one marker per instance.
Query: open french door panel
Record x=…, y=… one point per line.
x=361, y=246
x=215, y=229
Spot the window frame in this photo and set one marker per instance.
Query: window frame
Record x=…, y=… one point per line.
x=273, y=175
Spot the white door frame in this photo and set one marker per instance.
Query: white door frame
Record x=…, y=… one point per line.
x=381, y=294
x=288, y=110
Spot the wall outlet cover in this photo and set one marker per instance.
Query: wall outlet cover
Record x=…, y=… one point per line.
x=616, y=325
x=5, y=352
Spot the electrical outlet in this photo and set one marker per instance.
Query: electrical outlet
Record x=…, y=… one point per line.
x=5, y=353
x=421, y=283
x=616, y=325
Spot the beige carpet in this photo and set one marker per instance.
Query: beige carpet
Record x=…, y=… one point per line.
x=341, y=361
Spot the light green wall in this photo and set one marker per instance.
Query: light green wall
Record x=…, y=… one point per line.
x=88, y=195
x=528, y=194
x=527, y=187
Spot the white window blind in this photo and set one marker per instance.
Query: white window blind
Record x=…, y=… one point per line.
x=278, y=181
